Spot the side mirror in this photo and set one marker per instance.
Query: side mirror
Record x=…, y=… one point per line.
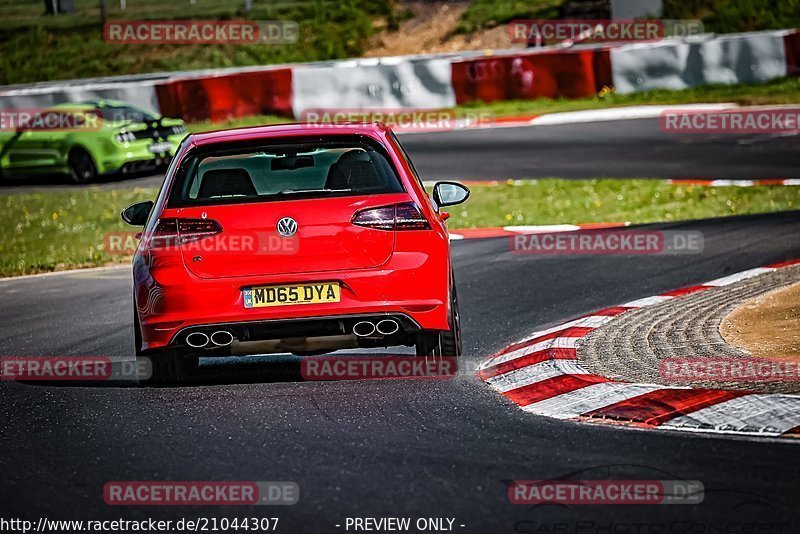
x=137, y=214
x=449, y=194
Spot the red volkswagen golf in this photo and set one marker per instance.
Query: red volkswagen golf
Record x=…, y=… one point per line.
x=292, y=238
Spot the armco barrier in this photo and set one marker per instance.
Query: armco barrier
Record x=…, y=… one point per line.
x=683, y=63
x=140, y=93
x=386, y=83
x=228, y=96
x=551, y=74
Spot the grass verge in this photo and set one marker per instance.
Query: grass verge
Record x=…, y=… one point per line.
x=60, y=230
x=37, y=48
x=490, y=13
x=554, y=201
x=718, y=16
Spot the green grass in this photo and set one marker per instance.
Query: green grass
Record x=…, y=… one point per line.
x=718, y=16
x=555, y=201
x=36, y=48
x=256, y=120
x=61, y=229
x=727, y=16
x=489, y=13
x=65, y=229
x=23, y=14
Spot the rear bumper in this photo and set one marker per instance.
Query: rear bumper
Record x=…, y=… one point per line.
x=171, y=303
x=146, y=165
x=306, y=335
x=135, y=156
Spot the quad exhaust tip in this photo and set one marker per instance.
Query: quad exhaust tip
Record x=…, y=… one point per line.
x=223, y=338
x=387, y=327
x=197, y=340
x=364, y=328
x=384, y=327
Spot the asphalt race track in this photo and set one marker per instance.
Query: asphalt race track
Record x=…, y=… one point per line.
x=398, y=448
x=624, y=149
x=617, y=149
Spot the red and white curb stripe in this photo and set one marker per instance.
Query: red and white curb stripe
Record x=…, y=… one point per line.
x=735, y=183
x=503, y=231
x=541, y=374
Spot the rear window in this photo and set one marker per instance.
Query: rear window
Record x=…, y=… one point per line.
x=303, y=169
x=124, y=114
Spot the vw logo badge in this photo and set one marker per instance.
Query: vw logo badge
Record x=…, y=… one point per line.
x=287, y=227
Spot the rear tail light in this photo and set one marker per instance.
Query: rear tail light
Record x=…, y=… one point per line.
x=404, y=216
x=191, y=230
x=408, y=217
x=380, y=218
x=176, y=232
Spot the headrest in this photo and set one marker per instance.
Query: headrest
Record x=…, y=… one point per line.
x=353, y=170
x=226, y=182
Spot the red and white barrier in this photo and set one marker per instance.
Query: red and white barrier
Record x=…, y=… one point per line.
x=530, y=75
x=364, y=84
x=702, y=60
x=139, y=93
x=227, y=96
x=436, y=82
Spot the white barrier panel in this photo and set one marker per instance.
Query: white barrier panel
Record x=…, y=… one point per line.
x=679, y=63
x=387, y=83
x=142, y=94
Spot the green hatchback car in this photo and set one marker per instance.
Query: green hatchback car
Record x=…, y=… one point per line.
x=86, y=139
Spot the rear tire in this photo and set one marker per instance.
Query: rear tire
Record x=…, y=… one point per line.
x=447, y=342
x=168, y=366
x=81, y=167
